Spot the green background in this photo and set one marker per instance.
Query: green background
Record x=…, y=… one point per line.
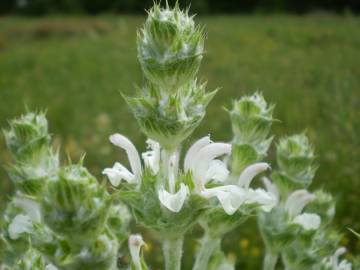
x=308, y=66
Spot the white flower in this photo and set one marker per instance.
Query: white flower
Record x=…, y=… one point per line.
x=266, y=200
x=295, y=204
x=217, y=171
x=201, y=161
x=173, y=202
x=231, y=197
x=308, y=221
x=136, y=242
x=20, y=224
x=119, y=172
x=333, y=261
x=152, y=157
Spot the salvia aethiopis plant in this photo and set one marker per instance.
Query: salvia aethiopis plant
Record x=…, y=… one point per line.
x=61, y=217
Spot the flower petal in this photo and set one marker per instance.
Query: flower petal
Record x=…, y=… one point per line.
x=152, y=157
x=217, y=171
x=297, y=200
x=308, y=221
x=117, y=173
x=133, y=155
x=20, y=224
x=173, y=202
x=231, y=197
x=271, y=188
x=250, y=172
x=266, y=200
x=193, y=152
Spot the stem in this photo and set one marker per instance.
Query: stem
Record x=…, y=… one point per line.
x=173, y=249
x=208, y=246
x=270, y=260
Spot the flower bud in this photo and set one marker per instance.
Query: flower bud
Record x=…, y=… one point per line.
x=295, y=158
x=74, y=204
x=251, y=119
x=27, y=134
x=170, y=47
x=34, y=160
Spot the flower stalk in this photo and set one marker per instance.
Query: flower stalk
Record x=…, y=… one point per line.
x=208, y=246
x=270, y=260
x=172, y=246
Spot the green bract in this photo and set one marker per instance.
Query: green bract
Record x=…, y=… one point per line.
x=170, y=118
x=148, y=210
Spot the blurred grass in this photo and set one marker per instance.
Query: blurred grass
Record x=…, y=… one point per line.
x=309, y=66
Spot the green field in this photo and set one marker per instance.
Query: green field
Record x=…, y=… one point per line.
x=308, y=66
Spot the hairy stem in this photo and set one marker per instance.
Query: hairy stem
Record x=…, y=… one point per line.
x=173, y=250
x=208, y=246
x=270, y=260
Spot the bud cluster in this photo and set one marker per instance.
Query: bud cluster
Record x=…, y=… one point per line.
x=251, y=120
x=34, y=159
x=59, y=217
x=296, y=161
